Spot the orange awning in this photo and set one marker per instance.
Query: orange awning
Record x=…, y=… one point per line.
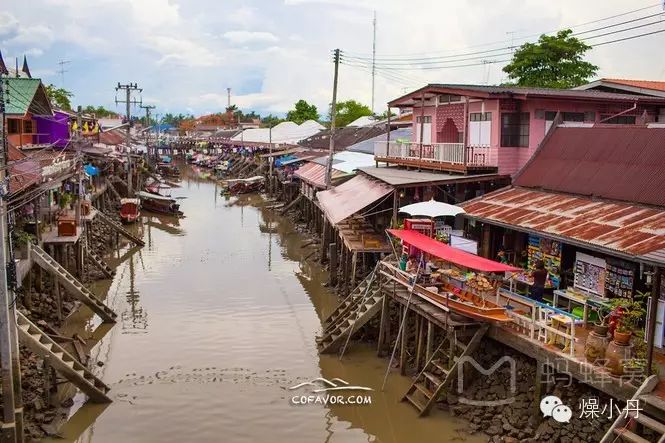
x=448, y=253
x=350, y=197
x=315, y=174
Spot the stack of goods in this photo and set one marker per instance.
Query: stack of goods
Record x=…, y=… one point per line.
x=480, y=285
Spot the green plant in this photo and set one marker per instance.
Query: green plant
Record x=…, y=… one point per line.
x=24, y=237
x=633, y=312
x=65, y=200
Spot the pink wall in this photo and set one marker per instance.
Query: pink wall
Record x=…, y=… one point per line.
x=511, y=159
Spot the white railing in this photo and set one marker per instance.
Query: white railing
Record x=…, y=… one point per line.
x=452, y=153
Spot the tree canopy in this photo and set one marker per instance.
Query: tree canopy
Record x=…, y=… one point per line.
x=302, y=112
x=350, y=110
x=271, y=120
x=60, y=97
x=99, y=111
x=175, y=120
x=553, y=62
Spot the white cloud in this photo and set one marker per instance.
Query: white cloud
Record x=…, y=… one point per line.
x=37, y=35
x=181, y=51
x=245, y=37
x=8, y=23
x=35, y=52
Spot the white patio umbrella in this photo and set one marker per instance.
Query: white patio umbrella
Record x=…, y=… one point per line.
x=432, y=208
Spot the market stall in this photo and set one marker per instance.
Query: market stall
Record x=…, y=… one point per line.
x=462, y=282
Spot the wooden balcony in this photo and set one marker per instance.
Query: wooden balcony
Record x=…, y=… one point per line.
x=449, y=157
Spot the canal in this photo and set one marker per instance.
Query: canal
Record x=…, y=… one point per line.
x=218, y=318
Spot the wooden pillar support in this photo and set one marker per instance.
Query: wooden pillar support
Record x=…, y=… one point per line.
x=332, y=274
x=420, y=339
x=403, y=340
x=324, y=241
x=429, y=346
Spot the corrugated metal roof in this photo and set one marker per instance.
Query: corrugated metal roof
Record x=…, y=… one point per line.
x=367, y=146
x=632, y=230
x=350, y=197
x=25, y=94
x=344, y=137
x=645, y=84
x=624, y=163
x=522, y=92
x=396, y=176
x=315, y=174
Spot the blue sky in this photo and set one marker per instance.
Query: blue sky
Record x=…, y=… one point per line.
x=185, y=53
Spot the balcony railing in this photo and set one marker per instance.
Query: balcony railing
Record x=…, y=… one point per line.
x=444, y=153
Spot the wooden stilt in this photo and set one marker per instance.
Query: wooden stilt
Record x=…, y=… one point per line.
x=383, y=325
x=332, y=247
x=403, y=341
x=420, y=321
x=324, y=242
x=354, y=265
x=430, y=339
x=538, y=391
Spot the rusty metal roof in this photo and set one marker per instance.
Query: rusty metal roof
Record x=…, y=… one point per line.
x=315, y=174
x=633, y=231
x=616, y=162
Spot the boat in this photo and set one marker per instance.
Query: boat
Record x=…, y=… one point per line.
x=448, y=297
x=130, y=210
x=245, y=185
x=168, y=170
x=159, y=203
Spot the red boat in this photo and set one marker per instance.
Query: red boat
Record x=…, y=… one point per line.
x=130, y=209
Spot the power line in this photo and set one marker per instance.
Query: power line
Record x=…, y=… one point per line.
x=526, y=37
x=441, y=59
x=62, y=70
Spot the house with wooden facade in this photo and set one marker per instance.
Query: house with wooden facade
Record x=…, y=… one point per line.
x=25, y=101
x=496, y=129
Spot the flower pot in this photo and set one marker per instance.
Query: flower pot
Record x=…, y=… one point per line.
x=600, y=330
x=595, y=347
x=617, y=355
x=622, y=337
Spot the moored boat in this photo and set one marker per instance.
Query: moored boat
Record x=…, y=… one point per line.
x=168, y=170
x=130, y=209
x=245, y=185
x=159, y=203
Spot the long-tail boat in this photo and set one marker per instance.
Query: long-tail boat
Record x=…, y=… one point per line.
x=130, y=209
x=159, y=203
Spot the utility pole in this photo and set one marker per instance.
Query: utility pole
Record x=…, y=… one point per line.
x=228, y=98
x=147, y=122
x=270, y=159
x=79, y=166
x=373, y=59
x=62, y=70
x=333, y=112
x=12, y=415
x=128, y=88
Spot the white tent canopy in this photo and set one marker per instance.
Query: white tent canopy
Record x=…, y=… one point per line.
x=432, y=209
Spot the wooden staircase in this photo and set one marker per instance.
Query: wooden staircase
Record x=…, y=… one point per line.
x=651, y=416
x=441, y=369
x=350, y=315
x=63, y=362
x=110, y=186
x=122, y=231
x=99, y=262
x=72, y=285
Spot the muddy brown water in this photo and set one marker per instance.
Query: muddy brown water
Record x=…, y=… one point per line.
x=218, y=318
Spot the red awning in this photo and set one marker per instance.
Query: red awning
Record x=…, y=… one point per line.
x=448, y=253
x=350, y=197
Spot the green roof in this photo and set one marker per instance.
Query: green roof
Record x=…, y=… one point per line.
x=23, y=95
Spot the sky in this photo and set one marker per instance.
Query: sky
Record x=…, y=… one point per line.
x=271, y=53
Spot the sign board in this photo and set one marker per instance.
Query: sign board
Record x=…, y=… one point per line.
x=590, y=273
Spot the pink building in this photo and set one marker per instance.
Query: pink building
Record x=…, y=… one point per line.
x=469, y=128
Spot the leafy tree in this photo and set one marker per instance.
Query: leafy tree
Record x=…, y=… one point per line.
x=99, y=111
x=232, y=108
x=187, y=124
x=349, y=111
x=60, y=97
x=553, y=62
x=302, y=111
x=384, y=115
x=175, y=120
x=271, y=120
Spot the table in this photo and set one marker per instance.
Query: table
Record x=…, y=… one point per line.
x=585, y=300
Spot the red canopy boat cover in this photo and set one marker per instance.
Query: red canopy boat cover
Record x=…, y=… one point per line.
x=448, y=253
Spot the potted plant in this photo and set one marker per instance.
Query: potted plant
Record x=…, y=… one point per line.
x=65, y=200
x=631, y=313
x=22, y=240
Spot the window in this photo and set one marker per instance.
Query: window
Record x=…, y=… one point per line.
x=13, y=126
x=480, y=128
x=28, y=127
x=447, y=98
x=567, y=116
x=515, y=129
x=424, y=119
x=480, y=116
x=619, y=119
